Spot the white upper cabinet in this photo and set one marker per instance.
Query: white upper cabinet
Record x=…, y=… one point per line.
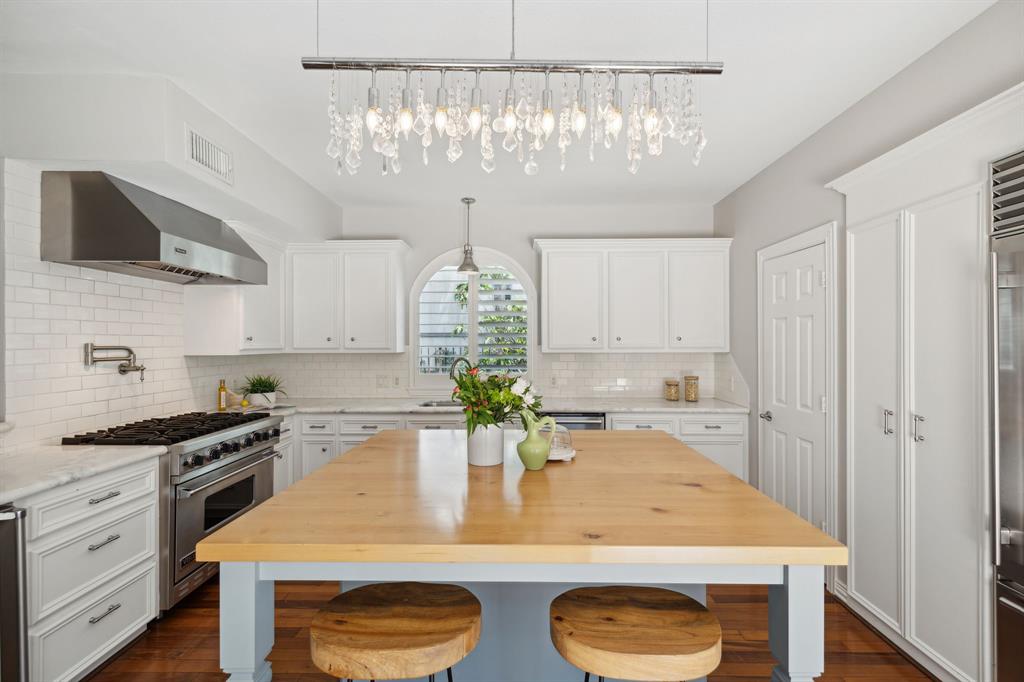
x=347, y=296
x=628, y=295
x=698, y=300
x=314, y=297
x=573, y=308
x=636, y=300
x=233, y=319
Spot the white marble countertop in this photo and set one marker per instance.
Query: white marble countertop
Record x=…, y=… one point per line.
x=32, y=469
x=412, y=406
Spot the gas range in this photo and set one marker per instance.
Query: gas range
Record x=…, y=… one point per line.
x=219, y=466
x=197, y=442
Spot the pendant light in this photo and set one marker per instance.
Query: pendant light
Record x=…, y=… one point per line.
x=468, y=265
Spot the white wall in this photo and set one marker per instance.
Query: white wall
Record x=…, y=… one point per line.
x=980, y=60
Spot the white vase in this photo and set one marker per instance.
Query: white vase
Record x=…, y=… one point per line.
x=257, y=399
x=486, y=446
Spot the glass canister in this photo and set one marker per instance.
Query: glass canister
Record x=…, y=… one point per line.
x=691, y=388
x=672, y=389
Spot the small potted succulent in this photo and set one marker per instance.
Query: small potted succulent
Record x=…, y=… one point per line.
x=488, y=402
x=262, y=389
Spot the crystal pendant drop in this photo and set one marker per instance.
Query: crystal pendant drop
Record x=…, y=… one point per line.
x=531, y=167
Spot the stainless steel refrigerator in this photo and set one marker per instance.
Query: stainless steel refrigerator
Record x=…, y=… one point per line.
x=1008, y=404
x=13, y=596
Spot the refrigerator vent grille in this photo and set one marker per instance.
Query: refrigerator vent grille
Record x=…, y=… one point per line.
x=1008, y=192
x=210, y=156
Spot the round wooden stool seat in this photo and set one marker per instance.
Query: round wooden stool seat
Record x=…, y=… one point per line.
x=636, y=633
x=395, y=631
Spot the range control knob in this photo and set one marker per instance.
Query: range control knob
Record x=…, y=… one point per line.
x=215, y=453
x=191, y=461
x=275, y=432
x=236, y=446
x=258, y=436
x=247, y=443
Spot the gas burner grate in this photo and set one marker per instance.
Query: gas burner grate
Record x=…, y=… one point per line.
x=165, y=430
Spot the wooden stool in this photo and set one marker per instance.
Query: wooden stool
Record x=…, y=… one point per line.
x=635, y=633
x=395, y=631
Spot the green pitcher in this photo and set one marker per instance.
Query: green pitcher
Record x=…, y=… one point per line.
x=534, y=450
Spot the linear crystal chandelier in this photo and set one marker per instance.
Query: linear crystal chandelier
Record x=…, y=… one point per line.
x=520, y=111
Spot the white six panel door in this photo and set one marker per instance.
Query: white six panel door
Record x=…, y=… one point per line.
x=636, y=300
x=314, y=293
x=793, y=460
x=873, y=448
x=367, y=294
x=946, y=529
x=574, y=300
x=698, y=299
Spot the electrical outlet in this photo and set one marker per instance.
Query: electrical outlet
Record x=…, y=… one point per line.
x=554, y=382
x=732, y=383
x=383, y=381
x=398, y=382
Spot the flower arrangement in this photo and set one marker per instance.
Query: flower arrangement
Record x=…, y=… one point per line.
x=493, y=399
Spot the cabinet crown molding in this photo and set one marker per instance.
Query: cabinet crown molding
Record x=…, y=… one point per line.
x=635, y=244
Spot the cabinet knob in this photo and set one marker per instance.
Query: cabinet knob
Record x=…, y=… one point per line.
x=323, y=449
x=618, y=338
x=679, y=338
x=328, y=338
x=593, y=338
x=351, y=338
x=249, y=339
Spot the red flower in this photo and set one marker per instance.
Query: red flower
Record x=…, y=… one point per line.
x=455, y=390
x=474, y=371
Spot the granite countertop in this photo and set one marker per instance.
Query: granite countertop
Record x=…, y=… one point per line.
x=411, y=406
x=33, y=469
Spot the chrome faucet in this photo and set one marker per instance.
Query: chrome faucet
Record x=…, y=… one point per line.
x=455, y=363
x=128, y=361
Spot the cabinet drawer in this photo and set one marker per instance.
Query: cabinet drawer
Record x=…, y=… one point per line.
x=316, y=427
x=69, y=646
x=85, y=499
x=63, y=571
x=427, y=423
x=666, y=424
x=712, y=425
x=369, y=425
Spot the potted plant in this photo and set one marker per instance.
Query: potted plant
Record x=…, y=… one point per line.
x=488, y=402
x=262, y=389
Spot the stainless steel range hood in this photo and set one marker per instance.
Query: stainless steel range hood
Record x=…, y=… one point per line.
x=98, y=221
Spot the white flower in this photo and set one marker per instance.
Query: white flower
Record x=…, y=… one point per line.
x=529, y=397
x=520, y=387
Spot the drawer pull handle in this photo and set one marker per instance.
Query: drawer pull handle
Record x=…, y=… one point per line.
x=432, y=426
x=318, y=426
x=110, y=538
x=712, y=426
x=369, y=427
x=112, y=493
x=643, y=426
x=110, y=610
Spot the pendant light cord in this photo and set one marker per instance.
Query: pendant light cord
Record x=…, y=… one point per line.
x=317, y=28
x=512, y=54
x=707, y=29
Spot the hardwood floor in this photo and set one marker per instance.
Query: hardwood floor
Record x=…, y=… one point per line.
x=183, y=647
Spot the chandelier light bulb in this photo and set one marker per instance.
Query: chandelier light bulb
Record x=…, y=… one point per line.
x=579, y=120
x=510, y=118
x=405, y=115
x=441, y=109
x=547, y=119
x=475, y=117
x=373, y=113
x=614, y=122
x=651, y=119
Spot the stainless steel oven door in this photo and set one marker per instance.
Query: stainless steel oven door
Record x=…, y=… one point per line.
x=205, y=503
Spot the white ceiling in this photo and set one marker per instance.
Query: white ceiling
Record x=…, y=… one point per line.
x=790, y=67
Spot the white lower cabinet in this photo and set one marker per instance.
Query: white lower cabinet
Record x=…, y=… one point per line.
x=721, y=437
x=92, y=569
x=315, y=454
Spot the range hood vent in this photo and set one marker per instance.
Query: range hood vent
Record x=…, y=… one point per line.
x=95, y=220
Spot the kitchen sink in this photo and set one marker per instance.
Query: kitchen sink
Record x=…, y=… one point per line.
x=439, y=403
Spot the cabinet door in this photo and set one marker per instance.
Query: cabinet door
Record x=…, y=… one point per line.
x=368, y=301
x=873, y=452
x=947, y=390
x=263, y=305
x=315, y=454
x=698, y=300
x=314, y=278
x=283, y=466
x=574, y=300
x=636, y=300
x=728, y=453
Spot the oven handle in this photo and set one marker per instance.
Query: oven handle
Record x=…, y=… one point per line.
x=189, y=492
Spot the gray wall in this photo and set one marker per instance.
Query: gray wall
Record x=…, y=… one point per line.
x=977, y=62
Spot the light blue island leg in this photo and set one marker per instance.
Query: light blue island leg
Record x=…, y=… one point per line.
x=246, y=622
x=796, y=624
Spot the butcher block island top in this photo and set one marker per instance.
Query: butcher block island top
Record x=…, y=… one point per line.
x=634, y=498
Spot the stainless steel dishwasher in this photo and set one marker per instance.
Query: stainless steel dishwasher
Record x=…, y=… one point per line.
x=579, y=421
x=13, y=596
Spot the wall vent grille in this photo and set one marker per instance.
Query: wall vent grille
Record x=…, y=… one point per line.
x=1008, y=192
x=210, y=156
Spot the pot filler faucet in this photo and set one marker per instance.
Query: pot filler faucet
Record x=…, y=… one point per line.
x=127, y=360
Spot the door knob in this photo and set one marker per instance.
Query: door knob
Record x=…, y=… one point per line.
x=766, y=415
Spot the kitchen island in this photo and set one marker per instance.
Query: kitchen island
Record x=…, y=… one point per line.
x=637, y=508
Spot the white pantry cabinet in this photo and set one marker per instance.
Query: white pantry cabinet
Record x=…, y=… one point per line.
x=244, y=318
x=347, y=296
x=634, y=295
x=918, y=443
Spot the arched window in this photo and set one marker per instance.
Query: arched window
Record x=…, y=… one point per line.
x=487, y=318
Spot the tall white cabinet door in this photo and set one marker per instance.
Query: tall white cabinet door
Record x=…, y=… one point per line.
x=636, y=300
x=945, y=558
x=573, y=300
x=263, y=305
x=698, y=300
x=314, y=294
x=873, y=454
x=367, y=300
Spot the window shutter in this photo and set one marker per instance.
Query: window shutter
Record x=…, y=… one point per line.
x=443, y=321
x=501, y=328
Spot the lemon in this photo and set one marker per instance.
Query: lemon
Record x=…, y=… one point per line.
x=245, y=403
